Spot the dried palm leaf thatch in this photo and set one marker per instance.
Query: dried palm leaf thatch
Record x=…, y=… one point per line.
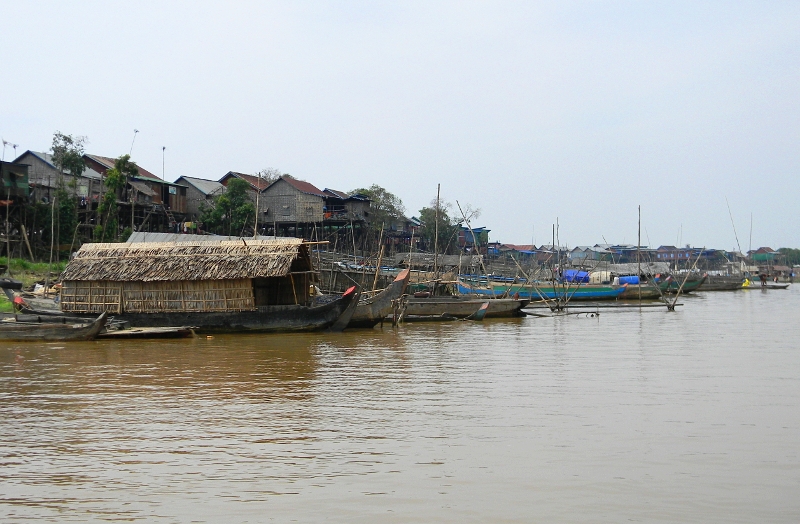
x=171, y=261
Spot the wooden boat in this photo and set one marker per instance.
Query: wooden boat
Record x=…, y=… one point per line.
x=462, y=307
x=645, y=290
x=722, y=283
x=370, y=311
x=671, y=284
x=266, y=319
x=52, y=329
x=539, y=290
x=755, y=284
x=214, y=286
x=153, y=332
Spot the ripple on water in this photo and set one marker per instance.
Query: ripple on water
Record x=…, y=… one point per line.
x=688, y=416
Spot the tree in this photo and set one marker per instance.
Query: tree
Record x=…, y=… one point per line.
x=231, y=212
x=448, y=228
x=270, y=175
x=67, y=156
x=115, y=179
x=68, y=153
x=384, y=206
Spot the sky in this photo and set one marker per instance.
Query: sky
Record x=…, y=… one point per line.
x=535, y=113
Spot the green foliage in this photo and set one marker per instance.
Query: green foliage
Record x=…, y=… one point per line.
x=384, y=207
x=232, y=211
x=448, y=228
x=792, y=255
x=67, y=206
x=68, y=153
x=115, y=179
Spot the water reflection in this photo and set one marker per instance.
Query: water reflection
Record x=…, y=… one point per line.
x=685, y=416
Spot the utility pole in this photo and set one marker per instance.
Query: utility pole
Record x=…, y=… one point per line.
x=436, y=239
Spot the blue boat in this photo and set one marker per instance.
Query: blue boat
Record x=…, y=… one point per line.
x=539, y=290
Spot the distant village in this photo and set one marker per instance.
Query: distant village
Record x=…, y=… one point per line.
x=282, y=206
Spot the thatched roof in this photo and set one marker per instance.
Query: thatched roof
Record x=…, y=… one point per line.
x=165, y=261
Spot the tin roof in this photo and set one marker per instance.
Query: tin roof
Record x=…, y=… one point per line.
x=303, y=187
x=206, y=187
x=108, y=163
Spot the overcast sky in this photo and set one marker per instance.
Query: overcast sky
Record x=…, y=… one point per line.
x=531, y=111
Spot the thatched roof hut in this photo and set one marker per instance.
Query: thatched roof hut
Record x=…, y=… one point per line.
x=217, y=275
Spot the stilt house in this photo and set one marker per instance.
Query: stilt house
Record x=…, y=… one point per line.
x=209, y=276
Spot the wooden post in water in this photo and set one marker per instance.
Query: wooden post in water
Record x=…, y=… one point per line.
x=639, y=257
x=436, y=241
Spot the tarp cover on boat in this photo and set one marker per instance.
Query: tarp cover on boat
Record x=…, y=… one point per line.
x=574, y=275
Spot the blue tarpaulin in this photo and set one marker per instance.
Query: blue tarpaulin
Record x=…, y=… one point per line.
x=573, y=275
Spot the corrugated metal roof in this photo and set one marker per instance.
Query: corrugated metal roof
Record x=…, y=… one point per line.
x=304, y=187
x=206, y=187
x=336, y=194
x=142, y=187
x=47, y=158
x=108, y=163
x=254, y=181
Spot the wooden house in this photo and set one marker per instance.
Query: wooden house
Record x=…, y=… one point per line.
x=199, y=192
x=187, y=277
x=146, y=189
x=44, y=177
x=15, y=181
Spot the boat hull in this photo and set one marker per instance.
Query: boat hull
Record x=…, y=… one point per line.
x=550, y=292
x=370, y=312
x=462, y=307
x=671, y=285
x=52, y=331
x=635, y=291
x=267, y=319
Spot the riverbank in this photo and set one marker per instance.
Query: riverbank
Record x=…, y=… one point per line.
x=29, y=273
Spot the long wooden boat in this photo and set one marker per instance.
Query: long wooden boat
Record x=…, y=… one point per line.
x=52, y=330
x=537, y=291
x=645, y=290
x=671, y=285
x=370, y=311
x=265, y=319
x=755, y=284
x=722, y=283
x=462, y=307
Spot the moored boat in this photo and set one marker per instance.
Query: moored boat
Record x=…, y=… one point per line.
x=722, y=283
x=671, y=284
x=549, y=291
x=644, y=290
x=214, y=286
x=462, y=307
x=52, y=329
x=372, y=310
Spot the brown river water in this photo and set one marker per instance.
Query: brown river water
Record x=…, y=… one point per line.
x=639, y=416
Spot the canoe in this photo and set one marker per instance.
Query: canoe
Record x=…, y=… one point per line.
x=53, y=329
x=370, y=311
x=462, y=307
x=755, y=284
x=547, y=290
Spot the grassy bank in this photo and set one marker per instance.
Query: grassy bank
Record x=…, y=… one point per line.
x=29, y=273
